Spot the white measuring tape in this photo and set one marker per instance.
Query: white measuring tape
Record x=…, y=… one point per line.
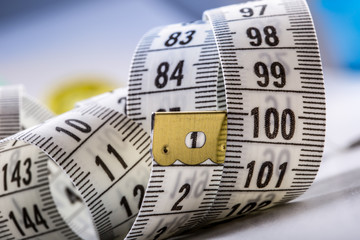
x=250, y=80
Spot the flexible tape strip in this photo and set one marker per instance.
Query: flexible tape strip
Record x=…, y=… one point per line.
x=178, y=60
x=63, y=192
x=9, y=111
x=187, y=51
x=79, y=148
x=274, y=95
x=26, y=206
x=293, y=101
x=179, y=193
x=71, y=139
x=25, y=186
x=20, y=111
x=191, y=80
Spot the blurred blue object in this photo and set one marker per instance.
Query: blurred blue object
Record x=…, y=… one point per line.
x=342, y=22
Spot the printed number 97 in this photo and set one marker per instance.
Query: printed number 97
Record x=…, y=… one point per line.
x=249, y=12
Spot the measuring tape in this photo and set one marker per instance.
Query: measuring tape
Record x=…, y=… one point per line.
x=273, y=88
x=235, y=106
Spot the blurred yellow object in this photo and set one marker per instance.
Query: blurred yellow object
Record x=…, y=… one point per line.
x=64, y=96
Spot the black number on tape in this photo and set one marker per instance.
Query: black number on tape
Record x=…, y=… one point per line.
x=29, y=222
x=124, y=202
x=270, y=38
x=173, y=38
x=287, y=113
x=271, y=114
x=248, y=208
x=277, y=70
x=249, y=12
x=27, y=163
x=76, y=124
x=112, y=150
x=265, y=174
x=141, y=189
x=272, y=123
x=72, y=196
x=160, y=232
x=186, y=189
x=282, y=169
x=162, y=78
x=16, y=174
x=101, y=163
x=251, y=206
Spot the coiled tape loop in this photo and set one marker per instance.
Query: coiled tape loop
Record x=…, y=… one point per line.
x=235, y=107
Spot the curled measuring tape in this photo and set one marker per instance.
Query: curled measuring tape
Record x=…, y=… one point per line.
x=250, y=80
x=271, y=80
x=91, y=132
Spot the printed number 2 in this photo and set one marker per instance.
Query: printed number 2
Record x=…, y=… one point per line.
x=186, y=189
x=160, y=232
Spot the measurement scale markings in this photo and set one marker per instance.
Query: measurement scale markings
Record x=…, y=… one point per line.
x=45, y=233
x=171, y=213
x=268, y=48
x=174, y=48
x=262, y=190
x=275, y=90
x=120, y=224
x=171, y=90
x=87, y=138
x=23, y=190
x=115, y=182
x=298, y=14
x=283, y=143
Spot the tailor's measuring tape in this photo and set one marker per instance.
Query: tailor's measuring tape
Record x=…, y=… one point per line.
x=83, y=142
x=250, y=80
x=21, y=174
x=273, y=87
